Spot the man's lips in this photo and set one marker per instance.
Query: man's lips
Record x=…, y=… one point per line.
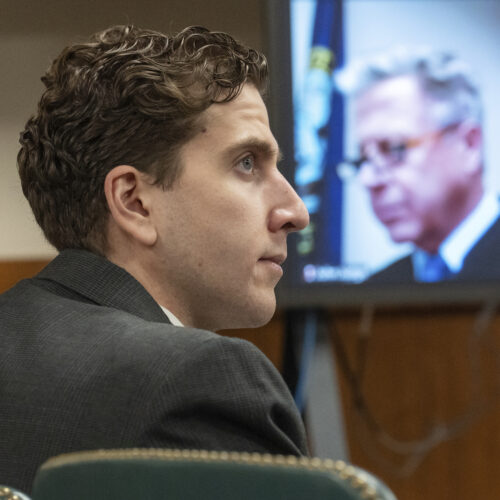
x=273, y=263
x=276, y=259
x=389, y=213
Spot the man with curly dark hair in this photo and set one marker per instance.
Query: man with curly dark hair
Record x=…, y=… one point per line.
x=151, y=167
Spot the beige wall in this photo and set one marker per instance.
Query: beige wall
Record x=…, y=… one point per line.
x=32, y=32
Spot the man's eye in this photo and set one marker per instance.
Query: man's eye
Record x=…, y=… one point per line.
x=395, y=152
x=247, y=164
x=398, y=152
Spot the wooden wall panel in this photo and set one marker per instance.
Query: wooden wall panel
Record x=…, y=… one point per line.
x=13, y=271
x=431, y=384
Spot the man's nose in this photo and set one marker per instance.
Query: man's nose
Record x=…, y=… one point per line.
x=289, y=213
x=372, y=175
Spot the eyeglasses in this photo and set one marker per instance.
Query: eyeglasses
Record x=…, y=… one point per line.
x=386, y=154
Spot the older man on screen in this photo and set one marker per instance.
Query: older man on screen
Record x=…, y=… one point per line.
x=418, y=125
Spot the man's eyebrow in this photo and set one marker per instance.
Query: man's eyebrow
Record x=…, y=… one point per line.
x=264, y=148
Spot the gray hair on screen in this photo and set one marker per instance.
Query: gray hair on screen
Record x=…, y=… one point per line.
x=445, y=78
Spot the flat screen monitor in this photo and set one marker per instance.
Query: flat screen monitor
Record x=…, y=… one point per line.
x=361, y=224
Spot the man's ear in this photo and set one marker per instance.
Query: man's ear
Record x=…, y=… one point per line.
x=126, y=191
x=472, y=137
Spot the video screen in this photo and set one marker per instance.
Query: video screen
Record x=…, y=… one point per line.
x=396, y=108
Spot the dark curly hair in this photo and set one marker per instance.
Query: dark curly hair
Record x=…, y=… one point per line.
x=128, y=96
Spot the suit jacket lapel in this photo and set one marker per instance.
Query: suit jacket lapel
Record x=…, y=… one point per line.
x=483, y=261
x=103, y=283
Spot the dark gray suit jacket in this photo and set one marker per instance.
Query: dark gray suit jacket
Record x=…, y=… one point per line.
x=88, y=360
x=481, y=263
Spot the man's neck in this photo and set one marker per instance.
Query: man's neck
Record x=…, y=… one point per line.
x=433, y=242
x=459, y=242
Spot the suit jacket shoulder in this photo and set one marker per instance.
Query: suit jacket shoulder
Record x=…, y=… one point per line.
x=483, y=260
x=400, y=271
x=89, y=360
x=481, y=263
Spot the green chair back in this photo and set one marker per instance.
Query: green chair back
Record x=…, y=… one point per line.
x=155, y=474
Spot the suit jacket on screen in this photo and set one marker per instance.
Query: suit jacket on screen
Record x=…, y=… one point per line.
x=88, y=360
x=481, y=263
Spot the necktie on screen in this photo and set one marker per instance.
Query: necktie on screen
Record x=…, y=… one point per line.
x=434, y=269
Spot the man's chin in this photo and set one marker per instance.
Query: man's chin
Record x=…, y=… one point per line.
x=253, y=315
x=401, y=233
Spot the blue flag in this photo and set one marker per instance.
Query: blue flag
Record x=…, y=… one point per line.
x=319, y=138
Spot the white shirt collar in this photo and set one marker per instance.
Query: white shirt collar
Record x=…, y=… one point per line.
x=455, y=248
x=462, y=239
x=172, y=317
